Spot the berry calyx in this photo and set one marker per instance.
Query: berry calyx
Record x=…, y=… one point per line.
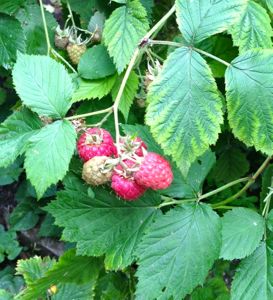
x=132, y=145
x=95, y=142
x=154, y=172
x=124, y=184
x=62, y=37
x=97, y=170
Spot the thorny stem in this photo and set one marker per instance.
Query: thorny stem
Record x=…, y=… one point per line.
x=93, y=113
x=45, y=27
x=247, y=185
x=129, y=69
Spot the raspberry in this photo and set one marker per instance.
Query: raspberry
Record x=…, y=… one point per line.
x=132, y=145
x=95, y=142
x=123, y=182
x=96, y=172
x=75, y=51
x=155, y=172
x=61, y=41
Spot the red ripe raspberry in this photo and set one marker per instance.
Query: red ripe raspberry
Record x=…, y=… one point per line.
x=95, y=142
x=132, y=145
x=155, y=172
x=123, y=182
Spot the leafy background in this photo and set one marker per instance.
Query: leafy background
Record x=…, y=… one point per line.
x=208, y=110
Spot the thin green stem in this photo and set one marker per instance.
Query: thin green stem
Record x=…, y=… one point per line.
x=165, y=43
x=45, y=27
x=130, y=68
x=93, y=113
x=70, y=13
x=247, y=185
x=176, y=202
x=55, y=53
x=225, y=207
x=222, y=188
x=212, y=56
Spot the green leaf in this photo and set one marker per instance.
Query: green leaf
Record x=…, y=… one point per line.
x=242, y=231
x=269, y=4
x=185, y=109
x=15, y=133
x=123, y=31
x=253, y=30
x=11, y=39
x=250, y=109
x=96, y=63
x=74, y=291
x=10, y=282
x=10, y=7
x=104, y=224
x=269, y=220
x=177, y=252
x=254, y=277
x=199, y=19
x=9, y=246
x=11, y=173
x=128, y=95
x=69, y=269
x=49, y=154
x=32, y=23
x=24, y=216
x=94, y=89
x=43, y=85
x=231, y=164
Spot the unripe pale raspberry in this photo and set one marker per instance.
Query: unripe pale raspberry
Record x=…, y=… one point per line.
x=95, y=171
x=123, y=182
x=95, y=142
x=132, y=145
x=75, y=52
x=154, y=172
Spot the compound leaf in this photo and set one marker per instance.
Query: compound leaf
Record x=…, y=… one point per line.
x=254, y=277
x=199, y=19
x=49, y=154
x=177, y=252
x=253, y=30
x=123, y=31
x=242, y=232
x=43, y=85
x=250, y=106
x=185, y=109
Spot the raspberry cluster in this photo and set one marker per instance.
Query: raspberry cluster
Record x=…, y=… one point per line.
x=131, y=172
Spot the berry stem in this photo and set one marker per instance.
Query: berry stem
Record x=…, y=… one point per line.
x=45, y=27
x=56, y=54
x=132, y=62
x=247, y=185
x=93, y=113
x=70, y=13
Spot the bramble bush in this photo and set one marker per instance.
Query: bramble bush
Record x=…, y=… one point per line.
x=138, y=136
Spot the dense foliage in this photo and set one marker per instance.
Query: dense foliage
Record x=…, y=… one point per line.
x=189, y=80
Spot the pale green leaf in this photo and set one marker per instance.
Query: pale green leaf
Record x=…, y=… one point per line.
x=128, y=94
x=254, y=277
x=11, y=173
x=269, y=220
x=43, y=85
x=49, y=154
x=11, y=39
x=250, y=106
x=123, y=31
x=253, y=30
x=176, y=254
x=104, y=224
x=32, y=23
x=15, y=133
x=199, y=19
x=185, y=109
x=96, y=63
x=242, y=231
x=231, y=165
x=94, y=89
